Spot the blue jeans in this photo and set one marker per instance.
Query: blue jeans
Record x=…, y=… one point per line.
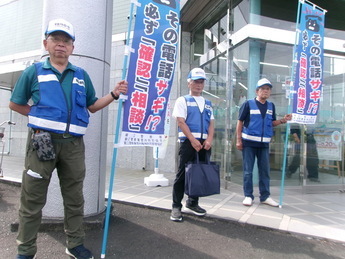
x=263, y=161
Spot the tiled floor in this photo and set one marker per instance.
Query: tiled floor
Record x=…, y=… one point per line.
x=316, y=215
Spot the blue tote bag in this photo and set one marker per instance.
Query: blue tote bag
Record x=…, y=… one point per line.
x=202, y=178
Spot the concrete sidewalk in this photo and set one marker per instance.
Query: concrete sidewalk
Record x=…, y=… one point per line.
x=315, y=215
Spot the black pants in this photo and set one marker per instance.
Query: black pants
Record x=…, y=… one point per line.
x=296, y=159
x=312, y=160
x=186, y=154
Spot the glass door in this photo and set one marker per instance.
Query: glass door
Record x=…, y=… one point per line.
x=328, y=132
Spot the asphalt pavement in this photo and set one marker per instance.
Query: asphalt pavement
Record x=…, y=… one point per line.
x=138, y=231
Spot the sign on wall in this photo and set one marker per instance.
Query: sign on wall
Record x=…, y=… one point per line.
x=328, y=142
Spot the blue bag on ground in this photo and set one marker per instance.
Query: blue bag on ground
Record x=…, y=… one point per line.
x=202, y=178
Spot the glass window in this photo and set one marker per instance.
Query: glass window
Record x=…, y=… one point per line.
x=228, y=89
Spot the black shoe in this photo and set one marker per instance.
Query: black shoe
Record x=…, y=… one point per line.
x=314, y=180
x=79, y=252
x=197, y=210
x=26, y=256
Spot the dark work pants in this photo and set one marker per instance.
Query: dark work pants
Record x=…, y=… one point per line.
x=296, y=160
x=312, y=161
x=186, y=154
x=70, y=165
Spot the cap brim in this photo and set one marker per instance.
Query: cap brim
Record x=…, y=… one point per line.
x=198, y=77
x=263, y=85
x=52, y=31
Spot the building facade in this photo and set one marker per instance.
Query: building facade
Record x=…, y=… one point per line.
x=236, y=42
x=239, y=42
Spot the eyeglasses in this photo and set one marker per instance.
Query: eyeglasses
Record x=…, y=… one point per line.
x=199, y=81
x=57, y=39
x=264, y=88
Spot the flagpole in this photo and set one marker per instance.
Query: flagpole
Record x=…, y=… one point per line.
x=290, y=104
x=116, y=138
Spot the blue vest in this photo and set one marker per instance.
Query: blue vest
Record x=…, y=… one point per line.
x=259, y=129
x=198, y=122
x=51, y=112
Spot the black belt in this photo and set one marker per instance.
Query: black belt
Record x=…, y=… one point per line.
x=56, y=135
x=61, y=136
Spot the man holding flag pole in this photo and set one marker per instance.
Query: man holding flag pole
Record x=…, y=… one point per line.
x=254, y=131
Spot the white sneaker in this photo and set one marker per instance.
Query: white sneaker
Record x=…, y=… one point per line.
x=271, y=202
x=247, y=201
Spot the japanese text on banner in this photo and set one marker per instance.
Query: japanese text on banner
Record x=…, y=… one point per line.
x=150, y=73
x=308, y=74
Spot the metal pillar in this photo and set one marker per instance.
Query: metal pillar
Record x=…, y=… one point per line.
x=254, y=64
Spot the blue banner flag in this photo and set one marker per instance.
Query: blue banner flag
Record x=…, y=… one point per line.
x=150, y=72
x=308, y=73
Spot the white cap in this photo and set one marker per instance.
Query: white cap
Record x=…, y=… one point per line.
x=60, y=25
x=197, y=73
x=262, y=82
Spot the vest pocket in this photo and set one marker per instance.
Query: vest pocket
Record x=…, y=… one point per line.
x=83, y=116
x=81, y=98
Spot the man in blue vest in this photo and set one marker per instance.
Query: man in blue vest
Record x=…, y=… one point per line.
x=254, y=131
x=62, y=96
x=195, y=120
